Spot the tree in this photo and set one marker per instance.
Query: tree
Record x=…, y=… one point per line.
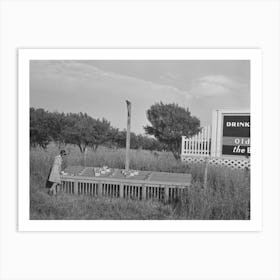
x=169, y=123
x=39, y=128
x=56, y=125
x=84, y=131
x=46, y=127
x=148, y=143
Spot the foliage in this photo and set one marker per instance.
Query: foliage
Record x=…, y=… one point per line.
x=56, y=125
x=169, y=122
x=84, y=131
x=39, y=128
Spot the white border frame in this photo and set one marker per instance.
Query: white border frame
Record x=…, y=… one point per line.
x=25, y=55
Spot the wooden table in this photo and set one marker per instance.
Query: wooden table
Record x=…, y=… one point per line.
x=145, y=185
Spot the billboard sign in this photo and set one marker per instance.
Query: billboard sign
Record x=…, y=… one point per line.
x=236, y=135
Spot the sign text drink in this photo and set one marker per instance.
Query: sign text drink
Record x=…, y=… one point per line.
x=236, y=135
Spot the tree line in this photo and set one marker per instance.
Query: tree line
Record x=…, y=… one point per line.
x=82, y=130
x=168, y=123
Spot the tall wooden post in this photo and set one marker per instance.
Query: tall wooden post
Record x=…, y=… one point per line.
x=127, y=135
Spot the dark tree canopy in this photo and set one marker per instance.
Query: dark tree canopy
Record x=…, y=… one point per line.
x=56, y=125
x=169, y=123
x=78, y=129
x=39, y=128
x=83, y=131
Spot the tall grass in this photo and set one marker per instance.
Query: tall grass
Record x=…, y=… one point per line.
x=227, y=195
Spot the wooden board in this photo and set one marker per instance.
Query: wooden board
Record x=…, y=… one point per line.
x=142, y=176
x=170, y=177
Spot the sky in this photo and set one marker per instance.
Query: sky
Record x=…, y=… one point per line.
x=100, y=88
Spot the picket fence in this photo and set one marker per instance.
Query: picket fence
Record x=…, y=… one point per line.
x=198, y=145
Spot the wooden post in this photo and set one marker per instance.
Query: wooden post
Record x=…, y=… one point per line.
x=166, y=193
x=205, y=173
x=128, y=135
x=121, y=190
x=143, y=192
x=183, y=148
x=76, y=187
x=99, y=189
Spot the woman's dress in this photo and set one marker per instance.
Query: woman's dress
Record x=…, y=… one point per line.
x=56, y=169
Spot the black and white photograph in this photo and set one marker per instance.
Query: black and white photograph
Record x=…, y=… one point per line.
x=140, y=139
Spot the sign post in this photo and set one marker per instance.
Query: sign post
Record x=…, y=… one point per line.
x=128, y=103
x=205, y=173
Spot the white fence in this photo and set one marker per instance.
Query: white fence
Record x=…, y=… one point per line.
x=198, y=145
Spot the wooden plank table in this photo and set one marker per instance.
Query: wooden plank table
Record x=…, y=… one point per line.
x=112, y=182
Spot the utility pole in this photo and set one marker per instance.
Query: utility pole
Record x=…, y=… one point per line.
x=128, y=103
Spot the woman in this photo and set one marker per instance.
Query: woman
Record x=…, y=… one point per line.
x=54, y=176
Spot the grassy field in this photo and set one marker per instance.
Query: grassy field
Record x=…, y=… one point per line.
x=226, y=197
